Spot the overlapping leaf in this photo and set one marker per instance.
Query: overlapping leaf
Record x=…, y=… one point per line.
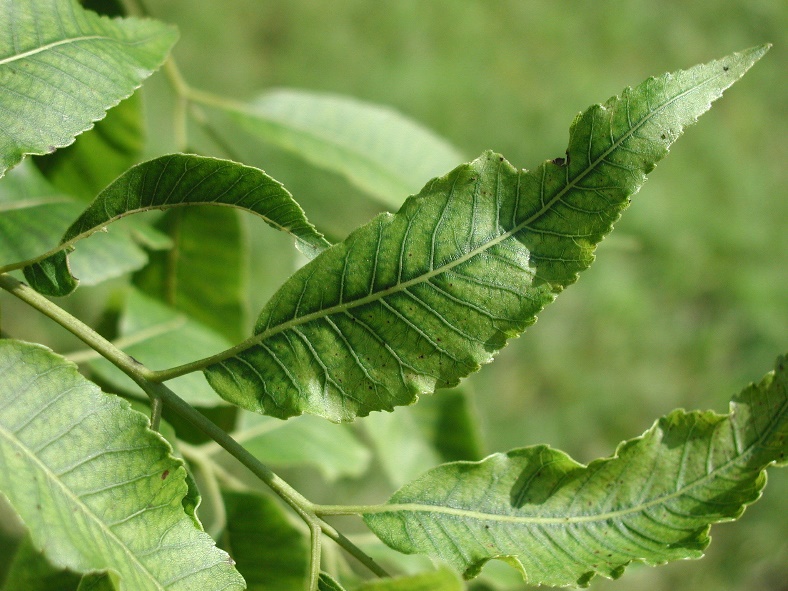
x=561, y=523
x=376, y=148
x=96, y=488
x=417, y=300
x=62, y=67
x=178, y=180
x=34, y=215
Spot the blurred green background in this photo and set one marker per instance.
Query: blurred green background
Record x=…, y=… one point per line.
x=687, y=301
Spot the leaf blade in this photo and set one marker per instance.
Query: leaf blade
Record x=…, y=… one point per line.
x=418, y=300
x=561, y=523
x=178, y=180
x=103, y=60
x=80, y=467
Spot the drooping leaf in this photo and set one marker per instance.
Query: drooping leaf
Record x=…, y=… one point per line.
x=415, y=301
x=376, y=148
x=159, y=336
x=436, y=580
x=270, y=552
x=99, y=155
x=178, y=180
x=204, y=272
x=332, y=449
x=95, y=486
x=34, y=214
x=62, y=67
x=561, y=523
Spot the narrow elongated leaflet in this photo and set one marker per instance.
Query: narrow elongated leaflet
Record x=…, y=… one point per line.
x=95, y=486
x=415, y=301
x=62, y=67
x=177, y=180
x=560, y=523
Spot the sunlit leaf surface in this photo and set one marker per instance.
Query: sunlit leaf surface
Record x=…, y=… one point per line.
x=62, y=67
x=95, y=486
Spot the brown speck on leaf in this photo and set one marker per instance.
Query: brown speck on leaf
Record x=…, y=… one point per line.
x=725, y=68
x=165, y=474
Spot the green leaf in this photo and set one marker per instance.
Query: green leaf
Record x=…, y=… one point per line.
x=95, y=486
x=99, y=155
x=415, y=301
x=436, y=580
x=376, y=148
x=31, y=570
x=326, y=583
x=271, y=553
x=156, y=334
x=332, y=449
x=204, y=273
x=561, y=523
x=33, y=216
x=178, y=180
x=62, y=67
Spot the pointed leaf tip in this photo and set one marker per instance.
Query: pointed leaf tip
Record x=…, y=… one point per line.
x=418, y=300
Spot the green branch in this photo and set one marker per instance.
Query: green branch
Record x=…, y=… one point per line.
x=161, y=395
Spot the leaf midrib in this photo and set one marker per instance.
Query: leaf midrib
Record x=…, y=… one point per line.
x=448, y=266
x=48, y=46
x=52, y=477
x=481, y=516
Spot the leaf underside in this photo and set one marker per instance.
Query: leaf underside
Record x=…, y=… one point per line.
x=178, y=180
x=560, y=523
x=61, y=69
x=99, y=490
x=415, y=301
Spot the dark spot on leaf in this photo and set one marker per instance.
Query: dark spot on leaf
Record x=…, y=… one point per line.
x=51, y=149
x=663, y=136
x=500, y=158
x=486, y=526
x=165, y=474
x=559, y=161
x=724, y=68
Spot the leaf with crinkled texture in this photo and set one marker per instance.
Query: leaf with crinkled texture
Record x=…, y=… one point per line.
x=95, y=486
x=560, y=523
x=376, y=148
x=418, y=300
x=178, y=180
x=61, y=69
